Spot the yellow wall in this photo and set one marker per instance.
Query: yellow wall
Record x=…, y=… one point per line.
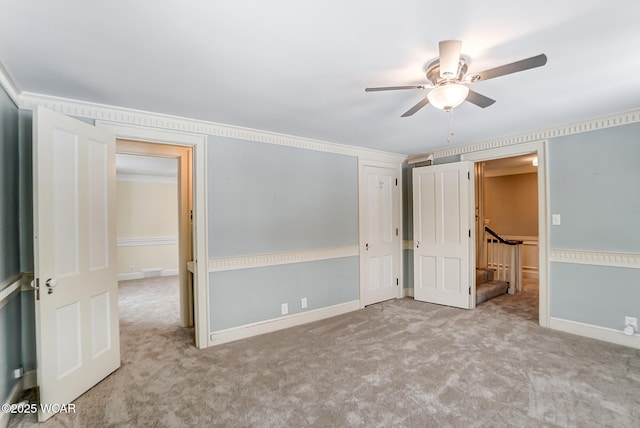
x=511, y=204
x=147, y=211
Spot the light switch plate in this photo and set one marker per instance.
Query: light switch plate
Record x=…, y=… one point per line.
x=555, y=219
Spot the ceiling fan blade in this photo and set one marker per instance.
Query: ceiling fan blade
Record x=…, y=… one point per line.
x=479, y=99
x=416, y=107
x=393, y=88
x=514, y=67
x=449, y=58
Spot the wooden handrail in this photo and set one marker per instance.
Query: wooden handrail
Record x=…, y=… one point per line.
x=501, y=239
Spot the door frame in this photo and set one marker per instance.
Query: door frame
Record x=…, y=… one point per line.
x=362, y=209
x=184, y=156
x=540, y=149
x=200, y=235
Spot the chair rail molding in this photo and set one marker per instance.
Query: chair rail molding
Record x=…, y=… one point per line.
x=599, y=258
x=220, y=264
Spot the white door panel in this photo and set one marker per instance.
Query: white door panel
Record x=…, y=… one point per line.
x=379, y=230
x=75, y=240
x=442, y=222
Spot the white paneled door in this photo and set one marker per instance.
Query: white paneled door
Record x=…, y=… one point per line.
x=77, y=330
x=443, y=227
x=380, y=250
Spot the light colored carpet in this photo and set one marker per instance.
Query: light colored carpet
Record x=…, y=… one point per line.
x=399, y=363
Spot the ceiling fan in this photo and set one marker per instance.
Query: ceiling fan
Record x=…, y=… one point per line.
x=448, y=79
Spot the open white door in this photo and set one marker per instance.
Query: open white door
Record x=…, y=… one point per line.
x=442, y=230
x=77, y=334
x=379, y=234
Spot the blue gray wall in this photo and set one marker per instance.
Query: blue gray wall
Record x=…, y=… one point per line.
x=10, y=309
x=265, y=199
x=594, y=184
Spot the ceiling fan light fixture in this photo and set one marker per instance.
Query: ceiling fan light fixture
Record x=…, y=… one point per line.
x=449, y=96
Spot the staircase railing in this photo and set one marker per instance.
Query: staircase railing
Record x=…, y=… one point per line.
x=505, y=257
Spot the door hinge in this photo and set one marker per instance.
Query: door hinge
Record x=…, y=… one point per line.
x=469, y=233
x=469, y=175
x=396, y=181
x=396, y=231
x=469, y=291
x=397, y=281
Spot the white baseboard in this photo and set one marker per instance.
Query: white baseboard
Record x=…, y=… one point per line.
x=128, y=276
x=30, y=379
x=407, y=292
x=140, y=275
x=249, y=330
x=595, y=332
x=14, y=396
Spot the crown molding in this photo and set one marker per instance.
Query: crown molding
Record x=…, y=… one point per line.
x=603, y=122
x=156, y=120
x=599, y=258
x=273, y=259
x=9, y=85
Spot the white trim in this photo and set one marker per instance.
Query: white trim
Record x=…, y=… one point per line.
x=139, y=275
x=8, y=288
x=9, y=85
x=30, y=379
x=199, y=145
x=540, y=148
x=595, y=332
x=143, y=242
x=146, y=178
x=407, y=292
x=602, y=122
x=599, y=258
x=236, y=333
x=130, y=275
x=14, y=395
x=273, y=259
x=104, y=112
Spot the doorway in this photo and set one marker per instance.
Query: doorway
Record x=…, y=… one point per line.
x=198, y=267
x=183, y=158
x=538, y=149
x=506, y=204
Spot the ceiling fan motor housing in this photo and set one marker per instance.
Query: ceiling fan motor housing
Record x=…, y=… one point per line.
x=433, y=72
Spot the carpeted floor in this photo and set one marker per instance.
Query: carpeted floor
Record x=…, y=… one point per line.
x=398, y=363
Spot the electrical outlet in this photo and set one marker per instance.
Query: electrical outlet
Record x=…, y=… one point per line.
x=285, y=308
x=17, y=373
x=631, y=321
x=303, y=302
x=130, y=268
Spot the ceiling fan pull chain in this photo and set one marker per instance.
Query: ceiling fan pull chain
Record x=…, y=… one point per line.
x=452, y=131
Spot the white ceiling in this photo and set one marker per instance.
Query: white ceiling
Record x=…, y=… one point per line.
x=300, y=67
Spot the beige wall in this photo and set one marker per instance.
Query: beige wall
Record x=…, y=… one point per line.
x=511, y=204
x=147, y=227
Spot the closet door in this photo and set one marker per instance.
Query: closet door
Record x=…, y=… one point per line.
x=380, y=249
